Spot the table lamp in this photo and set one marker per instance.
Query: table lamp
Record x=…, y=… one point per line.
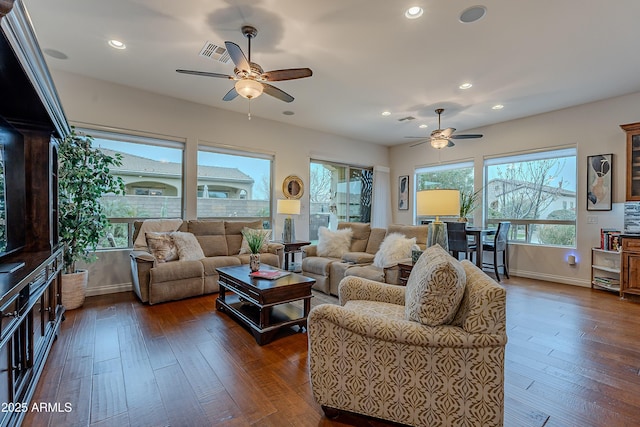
x=436, y=203
x=289, y=207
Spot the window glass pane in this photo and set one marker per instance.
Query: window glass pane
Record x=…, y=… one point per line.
x=537, y=192
x=453, y=176
x=338, y=193
x=233, y=185
x=152, y=175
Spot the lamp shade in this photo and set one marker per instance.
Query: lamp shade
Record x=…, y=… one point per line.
x=248, y=88
x=289, y=206
x=438, y=202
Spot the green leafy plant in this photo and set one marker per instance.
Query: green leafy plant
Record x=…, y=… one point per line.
x=255, y=239
x=468, y=202
x=83, y=177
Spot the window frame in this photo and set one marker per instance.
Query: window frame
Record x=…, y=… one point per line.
x=527, y=226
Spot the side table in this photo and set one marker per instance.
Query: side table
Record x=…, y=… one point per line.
x=405, y=270
x=290, y=249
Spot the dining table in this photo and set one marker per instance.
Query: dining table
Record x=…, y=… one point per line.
x=478, y=233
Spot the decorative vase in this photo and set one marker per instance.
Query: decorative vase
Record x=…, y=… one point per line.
x=254, y=262
x=74, y=289
x=463, y=219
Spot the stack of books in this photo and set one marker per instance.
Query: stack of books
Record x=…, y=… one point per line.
x=610, y=239
x=607, y=282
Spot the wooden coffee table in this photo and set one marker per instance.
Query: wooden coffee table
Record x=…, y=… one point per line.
x=265, y=306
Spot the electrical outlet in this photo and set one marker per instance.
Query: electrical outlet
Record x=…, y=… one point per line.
x=592, y=219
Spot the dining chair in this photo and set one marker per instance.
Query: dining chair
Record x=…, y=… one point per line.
x=499, y=244
x=458, y=240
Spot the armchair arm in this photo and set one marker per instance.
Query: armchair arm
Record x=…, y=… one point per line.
x=358, y=288
x=328, y=316
x=278, y=249
x=309, y=250
x=141, y=264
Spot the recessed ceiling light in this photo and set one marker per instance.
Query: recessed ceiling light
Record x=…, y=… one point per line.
x=465, y=85
x=386, y=113
x=473, y=14
x=117, y=44
x=414, y=12
x=423, y=126
x=497, y=107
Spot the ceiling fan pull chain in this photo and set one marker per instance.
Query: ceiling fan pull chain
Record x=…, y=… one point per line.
x=249, y=105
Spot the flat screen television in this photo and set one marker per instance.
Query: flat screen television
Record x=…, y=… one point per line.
x=12, y=189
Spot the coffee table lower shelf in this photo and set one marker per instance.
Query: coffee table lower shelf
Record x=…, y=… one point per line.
x=275, y=317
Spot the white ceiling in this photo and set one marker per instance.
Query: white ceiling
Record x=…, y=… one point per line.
x=366, y=57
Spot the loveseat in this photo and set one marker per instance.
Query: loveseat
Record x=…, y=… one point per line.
x=358, y=261
x=421, y=355
x=155, y=281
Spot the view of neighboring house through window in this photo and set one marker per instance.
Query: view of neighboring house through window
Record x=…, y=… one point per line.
x=537, y=193
x=234, y=184
x=338, y=193
x=152, y=173
x=458, y=176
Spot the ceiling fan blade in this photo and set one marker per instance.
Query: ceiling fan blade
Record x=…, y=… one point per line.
x=232, y=94
x=418, y=143
x=446, y=133
x=277, y=93
x=450, y=144
x=288, y=74
x=467, y=136
x=205, y=73
x=237, y=56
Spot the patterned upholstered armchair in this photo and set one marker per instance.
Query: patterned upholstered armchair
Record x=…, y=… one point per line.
x=365, y=357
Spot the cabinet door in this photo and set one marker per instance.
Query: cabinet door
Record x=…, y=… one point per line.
x=631, y=269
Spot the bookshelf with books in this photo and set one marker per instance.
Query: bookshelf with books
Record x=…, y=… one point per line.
x=605, y=269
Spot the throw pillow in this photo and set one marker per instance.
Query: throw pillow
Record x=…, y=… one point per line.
x=393, y=248
x=155, y=225
x=188, y=247
x=244, y=247
x=334, y=244
x=161, y=246
x=435, y=288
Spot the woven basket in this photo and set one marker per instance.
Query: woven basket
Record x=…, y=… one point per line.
x=74, y=289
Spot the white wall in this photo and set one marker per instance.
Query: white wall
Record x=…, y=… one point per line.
x=593, y=128
x=90, y=102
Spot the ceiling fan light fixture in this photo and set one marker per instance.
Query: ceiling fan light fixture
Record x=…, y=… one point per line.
x=248, y=88
x=439, y=142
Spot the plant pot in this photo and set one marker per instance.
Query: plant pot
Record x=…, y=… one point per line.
x=74, y=289
x=254, y=262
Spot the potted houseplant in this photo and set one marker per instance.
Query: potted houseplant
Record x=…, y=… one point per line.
x=468, y=203
x=256, y=239
x=83, y=177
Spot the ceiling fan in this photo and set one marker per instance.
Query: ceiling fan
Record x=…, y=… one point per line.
x=251, y=80
x=441, y=138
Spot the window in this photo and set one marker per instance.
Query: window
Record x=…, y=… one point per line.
x=533, y=191
x=452, y=176
x=338, y=193
x=152, y=173
x=234, y=184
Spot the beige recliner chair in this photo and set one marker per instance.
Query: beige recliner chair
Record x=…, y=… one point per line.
x=366, y=357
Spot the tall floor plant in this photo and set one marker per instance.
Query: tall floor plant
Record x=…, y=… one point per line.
x=84, y=176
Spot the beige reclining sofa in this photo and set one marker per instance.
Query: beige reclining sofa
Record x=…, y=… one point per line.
x=156, y=282
x=365, y=243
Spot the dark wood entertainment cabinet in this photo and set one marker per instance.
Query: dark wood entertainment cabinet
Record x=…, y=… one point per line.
x=30, y=302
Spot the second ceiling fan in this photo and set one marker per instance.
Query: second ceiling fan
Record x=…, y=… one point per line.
x=251, y=80
x=441, y=138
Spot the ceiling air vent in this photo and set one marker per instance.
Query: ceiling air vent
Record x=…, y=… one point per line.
x=215, y=52
x=406, y=119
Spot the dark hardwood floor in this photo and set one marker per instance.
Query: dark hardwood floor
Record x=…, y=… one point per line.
x=573, y=359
